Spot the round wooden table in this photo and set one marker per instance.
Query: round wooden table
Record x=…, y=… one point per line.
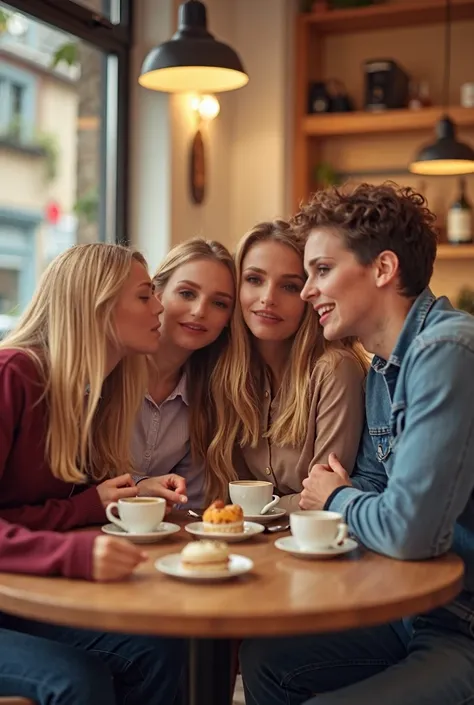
x=283, y=595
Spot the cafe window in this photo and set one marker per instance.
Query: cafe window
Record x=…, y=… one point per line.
x=64, y=100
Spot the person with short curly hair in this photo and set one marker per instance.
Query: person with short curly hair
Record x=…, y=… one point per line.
x=369, y=256
x=372, y=219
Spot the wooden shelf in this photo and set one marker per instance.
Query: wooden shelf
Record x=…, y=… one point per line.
x=360, y=122
x=387, y=16
x=450, y=252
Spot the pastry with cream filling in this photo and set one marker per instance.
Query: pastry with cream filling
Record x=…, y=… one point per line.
x=205, y=556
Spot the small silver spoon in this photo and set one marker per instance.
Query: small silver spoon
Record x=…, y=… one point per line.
x=193, y=514
x=278, y=527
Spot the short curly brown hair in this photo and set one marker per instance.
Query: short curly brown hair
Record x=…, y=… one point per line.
x=372, y=219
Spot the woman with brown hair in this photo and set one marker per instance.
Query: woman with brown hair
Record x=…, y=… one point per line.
x=284, y=397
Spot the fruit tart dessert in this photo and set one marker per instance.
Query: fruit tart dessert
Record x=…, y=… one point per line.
x=220, y=518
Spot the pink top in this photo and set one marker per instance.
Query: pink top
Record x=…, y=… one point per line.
x=30, y=496
x=160, y=443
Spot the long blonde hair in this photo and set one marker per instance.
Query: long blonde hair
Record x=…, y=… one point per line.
x=238, y=378
x=199, y=367
x=66, y=329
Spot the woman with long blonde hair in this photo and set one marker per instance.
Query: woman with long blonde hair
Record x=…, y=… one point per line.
x=177, y=420
x=284, y=397
x=72, y=375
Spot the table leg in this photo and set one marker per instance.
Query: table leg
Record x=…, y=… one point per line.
x=210, y=672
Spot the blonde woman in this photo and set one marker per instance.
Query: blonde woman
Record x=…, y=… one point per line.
x=284, y=397
x=70, y=385
x=196, y=286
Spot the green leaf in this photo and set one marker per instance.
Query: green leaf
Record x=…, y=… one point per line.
x=50, y=146
x=67, y=53
x=4, y=17
x=466, y=299
x=87, y=207
x=325, y=175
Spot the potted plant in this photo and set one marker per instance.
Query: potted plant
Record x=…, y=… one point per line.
x=325, y=175
x=466, y=300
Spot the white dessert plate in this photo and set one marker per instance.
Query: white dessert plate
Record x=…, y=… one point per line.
x=288, y=544
x=171, y=565
x=250, y=529
x=271, y=515
x=162, y=531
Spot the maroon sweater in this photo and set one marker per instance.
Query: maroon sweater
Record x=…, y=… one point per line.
x=31, y=498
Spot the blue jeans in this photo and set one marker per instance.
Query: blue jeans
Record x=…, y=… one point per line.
x=432, y=663
x=50, y=673
x=57, y=665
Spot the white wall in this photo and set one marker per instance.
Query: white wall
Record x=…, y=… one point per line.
x=247, y=145
x=212, y=218
x=260, y=155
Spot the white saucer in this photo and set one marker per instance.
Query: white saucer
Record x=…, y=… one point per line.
x=250, y=529
x=288, y=543
x=171, y=565
x=163, y=530
x=271, y=515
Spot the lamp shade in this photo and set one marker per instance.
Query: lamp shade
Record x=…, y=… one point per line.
x=193, y=60
x=446, y=156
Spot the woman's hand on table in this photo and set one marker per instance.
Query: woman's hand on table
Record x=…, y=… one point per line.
x=114, y=559
x=171, y=487
x=117, y=488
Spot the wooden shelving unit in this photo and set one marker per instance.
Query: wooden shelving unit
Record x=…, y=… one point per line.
x=312, y=131
x=359, y=122
x=408, y=13
x=455, y=252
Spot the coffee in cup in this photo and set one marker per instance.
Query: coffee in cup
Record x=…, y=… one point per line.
x=316, y=529
x=254, y=496
x=138, y=515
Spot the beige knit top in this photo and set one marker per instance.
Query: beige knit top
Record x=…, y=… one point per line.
x=335, y=424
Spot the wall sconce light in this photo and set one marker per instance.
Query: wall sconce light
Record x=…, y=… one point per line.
x=206, y=108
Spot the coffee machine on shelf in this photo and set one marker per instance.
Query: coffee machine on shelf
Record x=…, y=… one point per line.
x=386, y=85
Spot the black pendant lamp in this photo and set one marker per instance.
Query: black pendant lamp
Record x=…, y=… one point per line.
x=447, y=156
x=192, y=60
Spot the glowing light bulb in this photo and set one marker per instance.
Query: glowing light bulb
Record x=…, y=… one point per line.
x=207, y=106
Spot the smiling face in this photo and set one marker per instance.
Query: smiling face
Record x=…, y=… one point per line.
x=198, y=300
x=136, y=322
x=342, y=291
x=271, y=282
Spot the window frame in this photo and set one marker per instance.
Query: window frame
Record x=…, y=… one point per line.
x=13, y=76
x=115, y=40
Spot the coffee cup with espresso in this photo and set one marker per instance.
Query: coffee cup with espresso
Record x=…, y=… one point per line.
x=137, y=515
x=254, y=496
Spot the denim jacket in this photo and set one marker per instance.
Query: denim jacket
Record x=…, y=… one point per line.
x=413, y=484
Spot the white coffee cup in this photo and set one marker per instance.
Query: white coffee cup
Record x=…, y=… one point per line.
x=254, y=496
x=138, y=515
x=315, y=529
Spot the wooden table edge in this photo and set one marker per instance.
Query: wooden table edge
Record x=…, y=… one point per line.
x=212, y=626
